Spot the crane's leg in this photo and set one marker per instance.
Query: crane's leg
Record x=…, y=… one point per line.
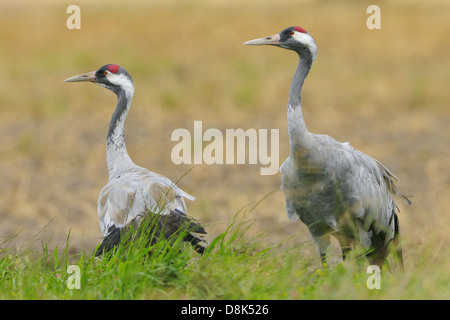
x=346, y=244
x=322, y=244
x=323, y=260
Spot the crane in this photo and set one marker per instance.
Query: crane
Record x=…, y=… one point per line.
x=331, y=187
x=134, y=194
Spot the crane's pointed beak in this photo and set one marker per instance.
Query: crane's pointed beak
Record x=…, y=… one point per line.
x=269, y=40
x=90, y=76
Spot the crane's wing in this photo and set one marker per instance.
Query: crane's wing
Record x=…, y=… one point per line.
x=331, y=170
x=367, y=186
x=126, y=196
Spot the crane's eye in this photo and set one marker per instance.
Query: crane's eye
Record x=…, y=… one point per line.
x=105, y=73
x=291, y=33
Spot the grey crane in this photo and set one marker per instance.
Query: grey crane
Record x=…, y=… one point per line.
x=132, y=192
x=331, y=187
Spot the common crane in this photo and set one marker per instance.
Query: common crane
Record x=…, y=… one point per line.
x=134, y=193
x=331, y=187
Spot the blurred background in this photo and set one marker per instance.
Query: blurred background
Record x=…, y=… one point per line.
x=385, y=91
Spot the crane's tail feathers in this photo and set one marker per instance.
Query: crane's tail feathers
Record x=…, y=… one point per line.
x=381, y=246
x=193, y=232
x=155, y=227
x=407, y=199
x=110, y=241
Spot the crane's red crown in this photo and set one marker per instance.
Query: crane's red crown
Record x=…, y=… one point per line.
x=299, y=29
x=113, y=68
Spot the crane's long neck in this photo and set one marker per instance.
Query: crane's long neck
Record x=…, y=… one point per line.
x=116, y=151
x=298, y=134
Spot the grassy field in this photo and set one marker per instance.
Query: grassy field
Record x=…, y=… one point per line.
x=385, y=91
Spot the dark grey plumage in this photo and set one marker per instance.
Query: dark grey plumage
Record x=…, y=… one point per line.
x=156, y=227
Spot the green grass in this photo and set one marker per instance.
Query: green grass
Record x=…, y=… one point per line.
x=236, y=265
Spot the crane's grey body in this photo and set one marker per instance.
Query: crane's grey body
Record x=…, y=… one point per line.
x=131, y=191
x=342, y=191
x=136, y=190
x=331, y=187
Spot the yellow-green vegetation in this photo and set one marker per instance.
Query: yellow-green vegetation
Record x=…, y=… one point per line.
x=385, y=91
x=235, y=266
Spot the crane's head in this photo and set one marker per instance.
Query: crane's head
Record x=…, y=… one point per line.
x=110, y=76
x=292, y=38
